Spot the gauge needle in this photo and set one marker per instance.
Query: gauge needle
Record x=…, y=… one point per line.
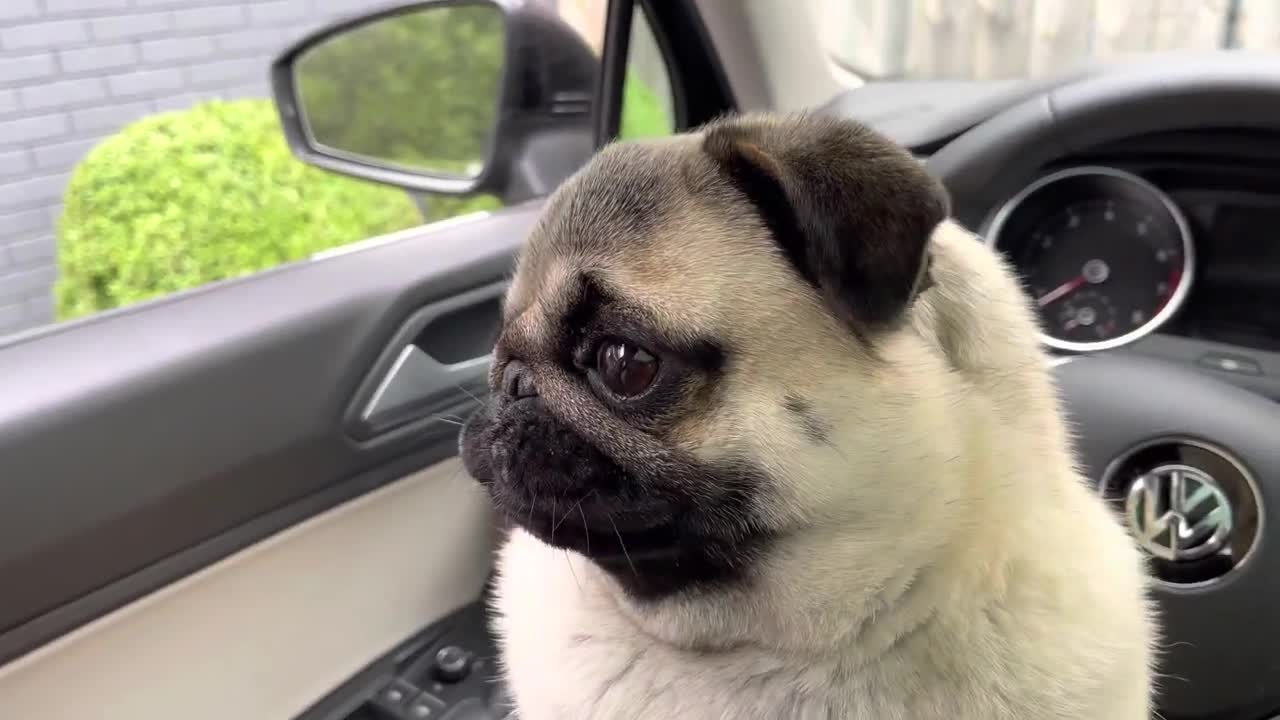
x=1056, y=293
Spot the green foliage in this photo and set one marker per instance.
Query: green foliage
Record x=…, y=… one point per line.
x=643, y=114
x=181, y=199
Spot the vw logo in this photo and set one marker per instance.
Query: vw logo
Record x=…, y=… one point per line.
x=1193, y=508
x=1178, y=513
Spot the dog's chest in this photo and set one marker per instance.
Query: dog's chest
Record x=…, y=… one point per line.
x=569, y=653
x=595, y=668
x=642, y=683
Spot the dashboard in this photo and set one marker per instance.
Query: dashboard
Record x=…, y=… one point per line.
x=1139, y=207
x=1175, y=235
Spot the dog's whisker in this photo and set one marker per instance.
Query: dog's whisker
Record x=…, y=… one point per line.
x=459, y=478
x=577, y=505
x=586, y=533
x=569, y=561
x=447, y=420
x=622, y=544
x=469, y=394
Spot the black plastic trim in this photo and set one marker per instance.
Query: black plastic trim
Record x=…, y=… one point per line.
x=613, y=69
x=679, y=93
x=1177, y=91
x=466, y=628
x=1193, y=354
x=924, y=115
x=1218, y=656
x=698, y=79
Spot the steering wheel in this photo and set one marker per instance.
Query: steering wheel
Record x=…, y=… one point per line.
x=1182, y=456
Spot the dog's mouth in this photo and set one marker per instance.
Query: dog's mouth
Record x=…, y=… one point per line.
x=603, y=529
x=546, y=479
x=657, y=531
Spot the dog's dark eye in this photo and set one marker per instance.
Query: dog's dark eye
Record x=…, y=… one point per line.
x=625, y=368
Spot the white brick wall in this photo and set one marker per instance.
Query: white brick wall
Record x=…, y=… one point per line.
x=75, y=71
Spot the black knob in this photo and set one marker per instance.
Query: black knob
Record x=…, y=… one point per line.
x=452, y=664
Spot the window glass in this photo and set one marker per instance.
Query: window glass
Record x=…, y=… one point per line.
x=647, y=100
x=141, y=154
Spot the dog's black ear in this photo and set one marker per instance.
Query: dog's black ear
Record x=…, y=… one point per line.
x=851, y=211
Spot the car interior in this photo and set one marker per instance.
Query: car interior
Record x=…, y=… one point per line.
x=244, y=501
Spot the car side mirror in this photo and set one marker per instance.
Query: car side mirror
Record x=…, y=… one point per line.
x=447, y=96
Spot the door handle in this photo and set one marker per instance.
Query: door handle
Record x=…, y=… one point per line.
x=409, y=389
x=416, y=377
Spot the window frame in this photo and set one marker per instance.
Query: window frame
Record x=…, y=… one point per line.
x=700, y=90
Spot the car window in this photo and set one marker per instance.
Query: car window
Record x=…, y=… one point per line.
x=648, y=105
x=141, y=153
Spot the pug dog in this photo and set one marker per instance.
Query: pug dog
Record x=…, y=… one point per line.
x=777, y=439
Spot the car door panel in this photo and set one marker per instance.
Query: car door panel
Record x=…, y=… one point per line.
x=205, y=421
x=266, y=631
x=243, y=500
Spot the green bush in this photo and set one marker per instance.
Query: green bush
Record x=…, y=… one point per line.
x=643, y=115
x=180, y=199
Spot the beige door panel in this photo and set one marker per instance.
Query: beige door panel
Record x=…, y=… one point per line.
x=268, y=631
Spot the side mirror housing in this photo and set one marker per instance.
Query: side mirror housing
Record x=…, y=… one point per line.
x=451, y=97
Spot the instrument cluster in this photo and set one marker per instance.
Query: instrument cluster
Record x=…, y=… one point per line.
x=1107, y=257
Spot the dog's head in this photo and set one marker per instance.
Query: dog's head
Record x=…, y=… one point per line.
x=692, y=358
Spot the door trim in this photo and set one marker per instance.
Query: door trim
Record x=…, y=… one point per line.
x=207, y=420
x=263, y=633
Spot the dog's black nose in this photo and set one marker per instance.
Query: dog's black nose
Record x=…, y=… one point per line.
x=517, y=381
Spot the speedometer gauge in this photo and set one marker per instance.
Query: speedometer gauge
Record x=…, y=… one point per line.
x=1106, y=256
